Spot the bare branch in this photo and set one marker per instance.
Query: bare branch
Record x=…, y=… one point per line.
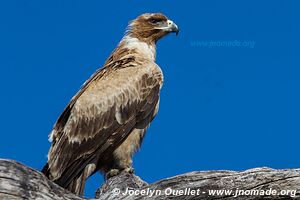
x=18, y=181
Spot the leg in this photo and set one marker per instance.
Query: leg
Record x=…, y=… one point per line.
x=123, y=154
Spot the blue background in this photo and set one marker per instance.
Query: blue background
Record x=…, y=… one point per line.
x=222, y=107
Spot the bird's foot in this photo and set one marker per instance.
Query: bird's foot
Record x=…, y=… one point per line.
x=112, y=172
x=129, y=170
x=115, y=172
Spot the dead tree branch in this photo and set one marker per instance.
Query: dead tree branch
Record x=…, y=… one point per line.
x=18, y=181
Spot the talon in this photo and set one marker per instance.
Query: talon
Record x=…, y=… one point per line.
x=129, y=170
x=112, y=172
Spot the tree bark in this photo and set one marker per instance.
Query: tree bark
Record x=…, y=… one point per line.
x=18, y=181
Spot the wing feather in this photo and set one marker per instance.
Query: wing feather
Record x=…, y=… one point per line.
x=100, y=117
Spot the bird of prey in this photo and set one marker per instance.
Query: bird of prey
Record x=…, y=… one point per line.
x=105, y=122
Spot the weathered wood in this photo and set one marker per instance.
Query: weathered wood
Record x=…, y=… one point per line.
x=18, y=181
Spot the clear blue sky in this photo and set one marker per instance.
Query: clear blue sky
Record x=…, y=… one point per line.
x=232, y=78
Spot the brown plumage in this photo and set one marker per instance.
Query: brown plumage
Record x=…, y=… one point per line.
x=105, y=122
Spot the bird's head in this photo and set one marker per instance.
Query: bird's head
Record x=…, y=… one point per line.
x=150, y=27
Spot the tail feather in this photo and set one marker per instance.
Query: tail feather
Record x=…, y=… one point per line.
x=77, y=184
x=46, y=170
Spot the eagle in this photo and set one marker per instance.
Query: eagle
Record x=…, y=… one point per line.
x=105, y=122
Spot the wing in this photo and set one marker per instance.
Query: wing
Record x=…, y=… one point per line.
x=100, y=117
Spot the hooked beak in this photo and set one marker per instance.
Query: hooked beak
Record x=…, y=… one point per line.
x=172, y=27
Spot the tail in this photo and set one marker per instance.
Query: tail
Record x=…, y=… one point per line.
x=76, y=185
x=46, y=170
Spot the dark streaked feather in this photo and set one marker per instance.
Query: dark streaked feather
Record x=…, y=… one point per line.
x=93, y=123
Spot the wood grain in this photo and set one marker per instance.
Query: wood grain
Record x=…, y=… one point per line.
x=18, y=181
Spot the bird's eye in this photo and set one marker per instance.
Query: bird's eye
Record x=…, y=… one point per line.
x=155, y=21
